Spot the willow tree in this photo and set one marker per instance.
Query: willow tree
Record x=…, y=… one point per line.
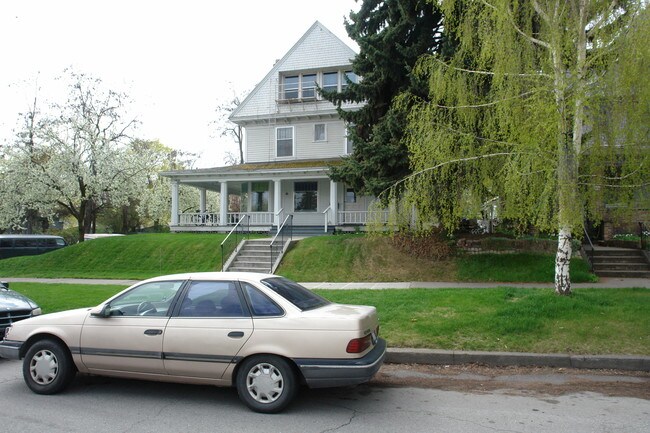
x=542, y=106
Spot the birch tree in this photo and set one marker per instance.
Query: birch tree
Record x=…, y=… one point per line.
x=542, y=105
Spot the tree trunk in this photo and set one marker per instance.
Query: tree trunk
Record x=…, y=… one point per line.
x=562, y=262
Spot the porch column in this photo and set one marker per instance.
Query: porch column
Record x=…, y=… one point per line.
x=202, y=200
x=223, y=208
x=277, y=201
x=333, y=202
x=174, y=220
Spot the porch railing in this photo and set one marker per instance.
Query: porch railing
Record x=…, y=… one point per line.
x=237, y=233
x=256, y=218
x=326, y=214
x=285, y=232
x=362, y=217
x=199, y=219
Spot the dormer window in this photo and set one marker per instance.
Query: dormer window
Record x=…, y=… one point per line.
x=304, y=86
x=291, y=87
x=331, y=81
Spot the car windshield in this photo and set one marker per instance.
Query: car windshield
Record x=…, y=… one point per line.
x=295, y=293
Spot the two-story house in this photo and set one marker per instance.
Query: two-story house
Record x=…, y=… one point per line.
x=292, y=136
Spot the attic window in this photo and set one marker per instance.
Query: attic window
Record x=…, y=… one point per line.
x=291, y=87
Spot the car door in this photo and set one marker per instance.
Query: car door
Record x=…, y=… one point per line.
x=207, y=330
x=129, y=338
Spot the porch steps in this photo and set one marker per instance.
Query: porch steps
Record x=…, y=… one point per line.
x=255, y=256
x=620, y=263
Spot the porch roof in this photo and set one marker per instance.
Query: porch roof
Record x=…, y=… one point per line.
x=295, y=169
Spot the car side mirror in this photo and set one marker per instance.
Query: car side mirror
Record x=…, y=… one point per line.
x=101, y=311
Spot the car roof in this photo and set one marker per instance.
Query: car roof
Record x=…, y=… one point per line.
x=208, y=276
x=30, y=236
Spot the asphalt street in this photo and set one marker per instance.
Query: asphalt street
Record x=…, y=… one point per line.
x=114, y=405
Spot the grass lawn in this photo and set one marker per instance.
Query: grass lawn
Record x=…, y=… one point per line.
x=591, y=321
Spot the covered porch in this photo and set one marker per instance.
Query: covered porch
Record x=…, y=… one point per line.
x=267, y=194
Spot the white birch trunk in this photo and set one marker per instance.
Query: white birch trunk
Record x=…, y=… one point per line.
x=562, y=262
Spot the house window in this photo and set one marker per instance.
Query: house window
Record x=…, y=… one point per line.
x=305, y=196
x=259, y=197
x=309, y=86
x=291, y=86
x=350, y=196
x=330, y=82
x=284, y=141
x=319, y=132
x=349, y=75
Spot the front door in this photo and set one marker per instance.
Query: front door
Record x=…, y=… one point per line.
x=206, y=333
x=131, y=338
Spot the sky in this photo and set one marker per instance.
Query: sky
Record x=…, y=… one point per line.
x=176, y=60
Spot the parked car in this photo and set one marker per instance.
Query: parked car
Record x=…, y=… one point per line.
x=14, y=307
x=29, y=245
x=263, y=334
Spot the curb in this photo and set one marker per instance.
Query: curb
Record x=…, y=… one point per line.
x=451, y=357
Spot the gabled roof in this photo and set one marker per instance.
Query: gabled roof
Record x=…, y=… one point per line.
x=318, y=48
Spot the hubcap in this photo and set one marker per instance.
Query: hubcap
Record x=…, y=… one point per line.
x=44, y=367
x=265, y=383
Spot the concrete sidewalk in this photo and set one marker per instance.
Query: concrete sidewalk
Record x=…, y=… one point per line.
x=604, y=283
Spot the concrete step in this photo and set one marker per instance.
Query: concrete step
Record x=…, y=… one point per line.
x=622, y=266
x=244, y=269
x=616, y=253
x=619, y=259
x=624, y=274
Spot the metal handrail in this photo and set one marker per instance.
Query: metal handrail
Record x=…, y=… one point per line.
x=590, y=254
x=281, y=234
x=643, y=243
x=235, y=231
x=326, y=219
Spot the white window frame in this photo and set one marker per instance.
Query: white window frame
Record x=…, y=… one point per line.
x=316, y=139
x=348, y=146
x=293, y=142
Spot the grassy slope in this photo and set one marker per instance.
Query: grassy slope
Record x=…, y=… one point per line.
x=326, y=258
x=359, y=258
x=136, y=256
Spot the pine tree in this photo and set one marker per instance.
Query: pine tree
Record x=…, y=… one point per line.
x=392, y=35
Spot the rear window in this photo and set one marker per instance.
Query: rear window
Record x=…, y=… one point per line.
x=295, y=293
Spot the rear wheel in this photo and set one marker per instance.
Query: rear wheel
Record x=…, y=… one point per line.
x=266, y=383
x=48, y=367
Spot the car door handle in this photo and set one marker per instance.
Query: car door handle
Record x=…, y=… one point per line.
x=153, y=332
x=236, y=334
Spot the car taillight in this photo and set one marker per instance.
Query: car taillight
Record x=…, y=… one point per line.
x=358, y=345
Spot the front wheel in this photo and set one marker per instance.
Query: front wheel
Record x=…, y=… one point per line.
x=266, y=383
x=48, y=367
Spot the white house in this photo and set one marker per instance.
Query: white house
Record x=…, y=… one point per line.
x=292, y=137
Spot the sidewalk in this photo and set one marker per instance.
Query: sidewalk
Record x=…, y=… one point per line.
x=604, y=283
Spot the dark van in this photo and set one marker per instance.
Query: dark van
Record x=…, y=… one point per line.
x=29, y=245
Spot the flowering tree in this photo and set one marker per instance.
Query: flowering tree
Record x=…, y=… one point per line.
x=78, y=155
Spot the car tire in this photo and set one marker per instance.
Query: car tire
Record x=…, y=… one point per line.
x=266, y=383
x=48, y=367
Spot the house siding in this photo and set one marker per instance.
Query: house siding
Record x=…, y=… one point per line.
x=260, y=141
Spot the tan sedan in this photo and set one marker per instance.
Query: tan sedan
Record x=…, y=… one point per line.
x=262, y=333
